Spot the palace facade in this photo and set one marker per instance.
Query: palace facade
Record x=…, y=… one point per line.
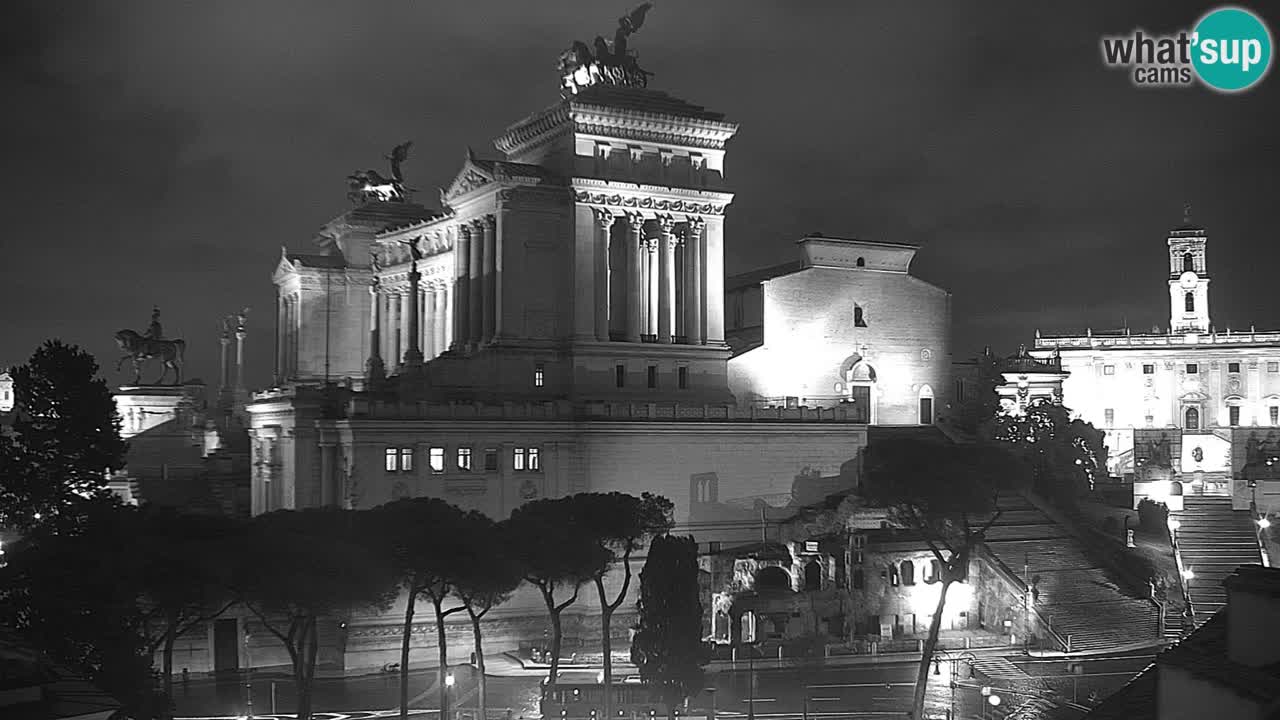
x=1196, y=403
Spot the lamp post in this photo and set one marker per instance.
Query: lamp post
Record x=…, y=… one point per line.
x=448, y=685
x=248, y=678
x=751, y=680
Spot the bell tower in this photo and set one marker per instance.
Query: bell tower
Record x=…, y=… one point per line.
x=1188, y=278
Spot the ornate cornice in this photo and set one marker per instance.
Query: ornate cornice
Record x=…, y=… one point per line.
x=654, y=127
x=533, y=130
x=637, y=201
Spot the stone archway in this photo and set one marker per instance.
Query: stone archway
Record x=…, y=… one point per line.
x=772, y=578
x=858, y=385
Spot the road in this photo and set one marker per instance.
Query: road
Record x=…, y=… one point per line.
x=847, y=693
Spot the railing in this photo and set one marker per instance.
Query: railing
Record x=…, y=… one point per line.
x=1182, y=574
x=1020, y=586
x=368, y=408
x=1150, y=339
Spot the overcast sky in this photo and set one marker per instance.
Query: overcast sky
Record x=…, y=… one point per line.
x=162, y=152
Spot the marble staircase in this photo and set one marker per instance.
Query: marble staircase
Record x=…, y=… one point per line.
x=1213, y=540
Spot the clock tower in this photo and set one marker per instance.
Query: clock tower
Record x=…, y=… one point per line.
x=1188, y=278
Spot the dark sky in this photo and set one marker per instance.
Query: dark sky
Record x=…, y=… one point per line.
x=163, y=152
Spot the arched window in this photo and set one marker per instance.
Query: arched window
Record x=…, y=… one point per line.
x=934, y=574
x=772, y=578
x=858, y=319
x=1190, y=301
x=859, y=580
x=1193, y=419
x=813, y=576
x=862, y=262
x=908, y=573
x=893, y=575
x=1188, y=262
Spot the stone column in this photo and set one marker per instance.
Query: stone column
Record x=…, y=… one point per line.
x=666, y=279
x=412, y=300
x=604, y=221
x=440, y=313
x=429, y=322
x=393, y=328
x=375, y=371
x=635, y=269
x=224, y=377
x=328, y=483
x=488, y=282
x=651, y=277
x=713, y=279
x=280, y=327
x=446, y=319
x=475, y=301
x=240, y=333
x=462, y=288
x=694, y=304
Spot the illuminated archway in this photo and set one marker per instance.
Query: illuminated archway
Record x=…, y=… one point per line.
x=858, y=382
x=772, y=578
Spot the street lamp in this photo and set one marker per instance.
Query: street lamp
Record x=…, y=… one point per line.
x=448, y=685
x=248, y=678
x=1263, y=523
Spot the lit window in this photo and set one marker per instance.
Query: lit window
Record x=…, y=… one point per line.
x=1233, y=367
x=811, y=546
x=490, y=459
x=1148, y=369
x=620, y=375
x=517, y=459
x=535, y=460
x=391, y=456
x=437, y=459
x=1110, y=415
x=1108, y=369
x=1192, y=368
x=682, y=377
x=464, y=458
x=893, y=575
x=653, y=376
x=406, y=459
x=1275, y=414
x=538, y=375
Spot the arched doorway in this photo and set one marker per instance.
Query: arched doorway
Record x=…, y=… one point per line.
x=813, y=576
x=1191, y=418
x=858, y=379
x=926, y=405
x=772, y=578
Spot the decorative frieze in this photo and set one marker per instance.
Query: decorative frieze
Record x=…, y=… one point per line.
x=648, y=203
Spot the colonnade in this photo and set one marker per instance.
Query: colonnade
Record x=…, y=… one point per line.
x=653, y=272
x=393, y=311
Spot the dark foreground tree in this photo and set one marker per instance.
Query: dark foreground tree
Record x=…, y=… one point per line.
x=428, y=547
x=557, y=556
x=487, y=579
x=948, y=495
x=304, y=566
x=65, y=440
x=1066, y=456
x=619, y=524
x=668, y=647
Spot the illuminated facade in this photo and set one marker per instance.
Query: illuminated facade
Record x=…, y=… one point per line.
x=847, y=324
x=1194, y=381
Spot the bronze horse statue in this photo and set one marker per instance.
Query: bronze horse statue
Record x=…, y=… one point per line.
x=139, y=349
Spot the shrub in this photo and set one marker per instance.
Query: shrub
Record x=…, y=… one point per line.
x=1153, y=517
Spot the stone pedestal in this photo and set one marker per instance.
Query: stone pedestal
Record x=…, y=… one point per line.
x=144, y=407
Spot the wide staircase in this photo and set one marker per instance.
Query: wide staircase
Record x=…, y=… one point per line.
x=1076, y=594
x=1213, y=540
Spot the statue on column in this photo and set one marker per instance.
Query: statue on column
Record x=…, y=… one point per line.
x=142, y=347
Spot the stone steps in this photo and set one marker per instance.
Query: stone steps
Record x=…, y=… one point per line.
x=1213, y=540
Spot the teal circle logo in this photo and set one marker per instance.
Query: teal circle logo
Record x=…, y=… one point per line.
x=1231, y=49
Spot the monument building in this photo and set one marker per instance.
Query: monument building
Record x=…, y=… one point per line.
x=1196, y=403
x=557, y=325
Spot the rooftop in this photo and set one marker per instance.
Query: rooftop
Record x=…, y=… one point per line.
x=642, y=100
x=1131, y=340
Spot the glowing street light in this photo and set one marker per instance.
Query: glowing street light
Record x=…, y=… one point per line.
x=448, y=680
x=993, y=699
x=1174, y=524
x=1188, y=575
x=1263, y=523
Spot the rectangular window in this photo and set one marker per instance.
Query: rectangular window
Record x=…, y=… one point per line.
x=1110, y=415
x=1274, y=412
x=1151, y=420
x=1192, y=368
x=539, y=377
x=464, y=459
x=517, y=459
x=682, y=377
x=1233, y=413
x=1233, y=367
x=535, y=460
x=811, y=546
x=1148, y=369
x=490, y=459
x=1108, y=369
x=653, y=376
x=436, y=458
x=406, y=459
x=1273, y=367
x=391, y=462
x=620, y=375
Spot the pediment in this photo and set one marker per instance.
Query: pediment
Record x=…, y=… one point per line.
x=470, y=177
x=1193, y=396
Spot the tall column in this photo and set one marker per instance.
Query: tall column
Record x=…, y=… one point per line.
x=393, y=330
x=440, y=313
x=713, y=277
x=446, y=320
x=240, y=333
x=604, y=221
x=412, y=303
x=375, y=371
x=428, y=322
x=224, y=377
x=651, y=277
x=694, y=306
x=475, y=302
x=635, y=268
x=666, y=279
x=488, y=282
x=280, y=326
x=462, y=288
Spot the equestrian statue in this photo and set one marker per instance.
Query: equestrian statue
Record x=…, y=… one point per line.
x=140, y=348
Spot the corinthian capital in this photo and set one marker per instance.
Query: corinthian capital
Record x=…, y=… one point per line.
x=667, y=224
x=604, y=217
x=696, y=224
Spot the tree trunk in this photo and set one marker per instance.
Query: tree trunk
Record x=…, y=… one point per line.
x=405, y=639
x=444, y=658
x=170, y=635
x=311, y=639
x=606, y=645
x=931, y=642
x=475, y=631
x=556, y=636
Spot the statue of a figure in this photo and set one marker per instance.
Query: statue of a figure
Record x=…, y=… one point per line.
x=582, y=67
x=415, y=250
x=241, y=318
x=1160, y=452
x=154, y=331
x=370, y=185
x=399, y=154
x=1252, y=450
x=141, y=347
